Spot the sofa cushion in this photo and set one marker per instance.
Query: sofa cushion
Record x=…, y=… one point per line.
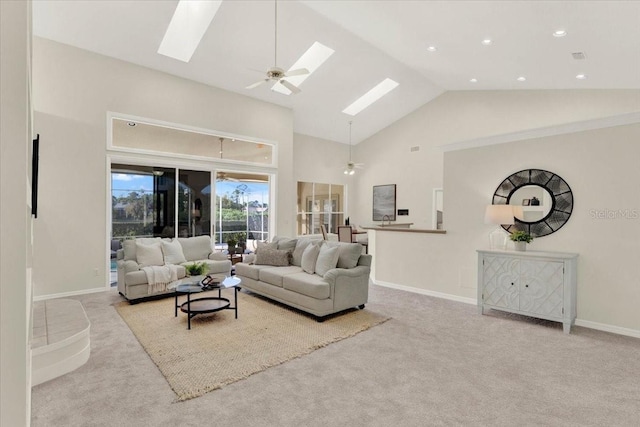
x=149, y=255
x=195, y=248
x=310, y=285
x=275, y=257
x=349, y=253
x=301, y=245
x=327, y=259
x=274, y=275
x=212, y=266
x=140, y=278
x=249, y=270
x=172, y=252
x=309, y=258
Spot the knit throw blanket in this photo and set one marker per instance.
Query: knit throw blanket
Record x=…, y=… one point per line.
x=159, y=277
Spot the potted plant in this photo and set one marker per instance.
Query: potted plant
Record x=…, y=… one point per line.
x=520, y=239
x=231, y=243
x=196, y=269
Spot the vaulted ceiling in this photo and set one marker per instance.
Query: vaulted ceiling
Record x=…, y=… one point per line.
x=373, y=40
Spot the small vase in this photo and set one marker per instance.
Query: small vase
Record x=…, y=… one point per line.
x=520, y=246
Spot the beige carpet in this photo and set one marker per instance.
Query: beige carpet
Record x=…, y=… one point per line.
x=220, y=350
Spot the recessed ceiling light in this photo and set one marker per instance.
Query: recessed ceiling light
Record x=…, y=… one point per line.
x=187, y=27
x=521, y=78
x=132, y=124
x=312, y=59
x=473, y=80
x=581, y=76
x=432, y=48
x=487, y=42
x=380, y=90
x=559, y=33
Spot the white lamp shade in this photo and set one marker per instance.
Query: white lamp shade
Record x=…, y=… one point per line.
x=498, y=214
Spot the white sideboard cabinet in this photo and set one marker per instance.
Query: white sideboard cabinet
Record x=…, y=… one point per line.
x=536, y=284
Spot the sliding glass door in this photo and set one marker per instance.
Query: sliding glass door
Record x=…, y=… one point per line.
x=194, y=203
x=242, y=209
x=144, y=202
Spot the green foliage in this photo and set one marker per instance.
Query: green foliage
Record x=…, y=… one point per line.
x=196, y=269
x=521, y=236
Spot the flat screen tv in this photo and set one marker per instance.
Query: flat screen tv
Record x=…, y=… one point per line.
x=34, y=176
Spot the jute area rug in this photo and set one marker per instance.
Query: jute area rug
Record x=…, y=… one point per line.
x=220, y=349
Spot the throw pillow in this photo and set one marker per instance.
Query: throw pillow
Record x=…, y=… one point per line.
x=172, y=252
x=195, y=248
x=275, y=257
x=149, y=255
x=327, y=259
x=260, y=245
x=129, y=247
x=301, y=245
x=309, y=258
x=349, y=254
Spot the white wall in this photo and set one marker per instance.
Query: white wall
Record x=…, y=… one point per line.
x=461, y=116
x=15, y=222
x=601, y=168
x=592, y=163
x=73, y=90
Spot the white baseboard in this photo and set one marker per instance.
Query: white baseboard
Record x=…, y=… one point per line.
x=70, y=294
x=579, y=322
x=608, y=328
x=426, y=292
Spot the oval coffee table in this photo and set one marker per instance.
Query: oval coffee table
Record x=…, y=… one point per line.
x=193, y=307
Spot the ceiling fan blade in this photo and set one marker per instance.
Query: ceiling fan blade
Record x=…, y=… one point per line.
x=298, y=72
x=256, y=84
x=292, y=88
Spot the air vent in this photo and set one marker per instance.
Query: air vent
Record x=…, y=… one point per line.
x=415, y=148
x=579, y=55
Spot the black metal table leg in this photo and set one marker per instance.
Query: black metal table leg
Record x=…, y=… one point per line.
x=175, y=309
x=189, y=311
x=235, y=301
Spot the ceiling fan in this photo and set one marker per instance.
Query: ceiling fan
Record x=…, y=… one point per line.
x=351, y=166
x=223, y=176
x=276, y=73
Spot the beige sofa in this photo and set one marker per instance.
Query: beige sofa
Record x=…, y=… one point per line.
x=326, y=290
x=138, y=253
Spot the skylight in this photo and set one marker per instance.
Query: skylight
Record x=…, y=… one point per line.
x=380, y=90
x=312, y=59
x=187, y=27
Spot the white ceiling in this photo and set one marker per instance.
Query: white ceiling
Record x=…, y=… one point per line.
x=373, y=40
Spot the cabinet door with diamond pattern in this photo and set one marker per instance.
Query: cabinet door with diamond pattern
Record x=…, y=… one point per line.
x=501, y=276
x=541, y=287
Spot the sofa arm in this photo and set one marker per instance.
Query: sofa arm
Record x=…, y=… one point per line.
x=128, y=266
x=359, y=271
x=349, y=286
x=249, y=259
x=218, y=256
x=120, y=254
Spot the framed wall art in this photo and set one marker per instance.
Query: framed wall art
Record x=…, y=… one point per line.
x=384, y=202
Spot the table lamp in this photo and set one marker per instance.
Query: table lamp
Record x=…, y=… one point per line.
x=499, y=215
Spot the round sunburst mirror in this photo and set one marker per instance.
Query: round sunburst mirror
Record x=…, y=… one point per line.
x=542, y=201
